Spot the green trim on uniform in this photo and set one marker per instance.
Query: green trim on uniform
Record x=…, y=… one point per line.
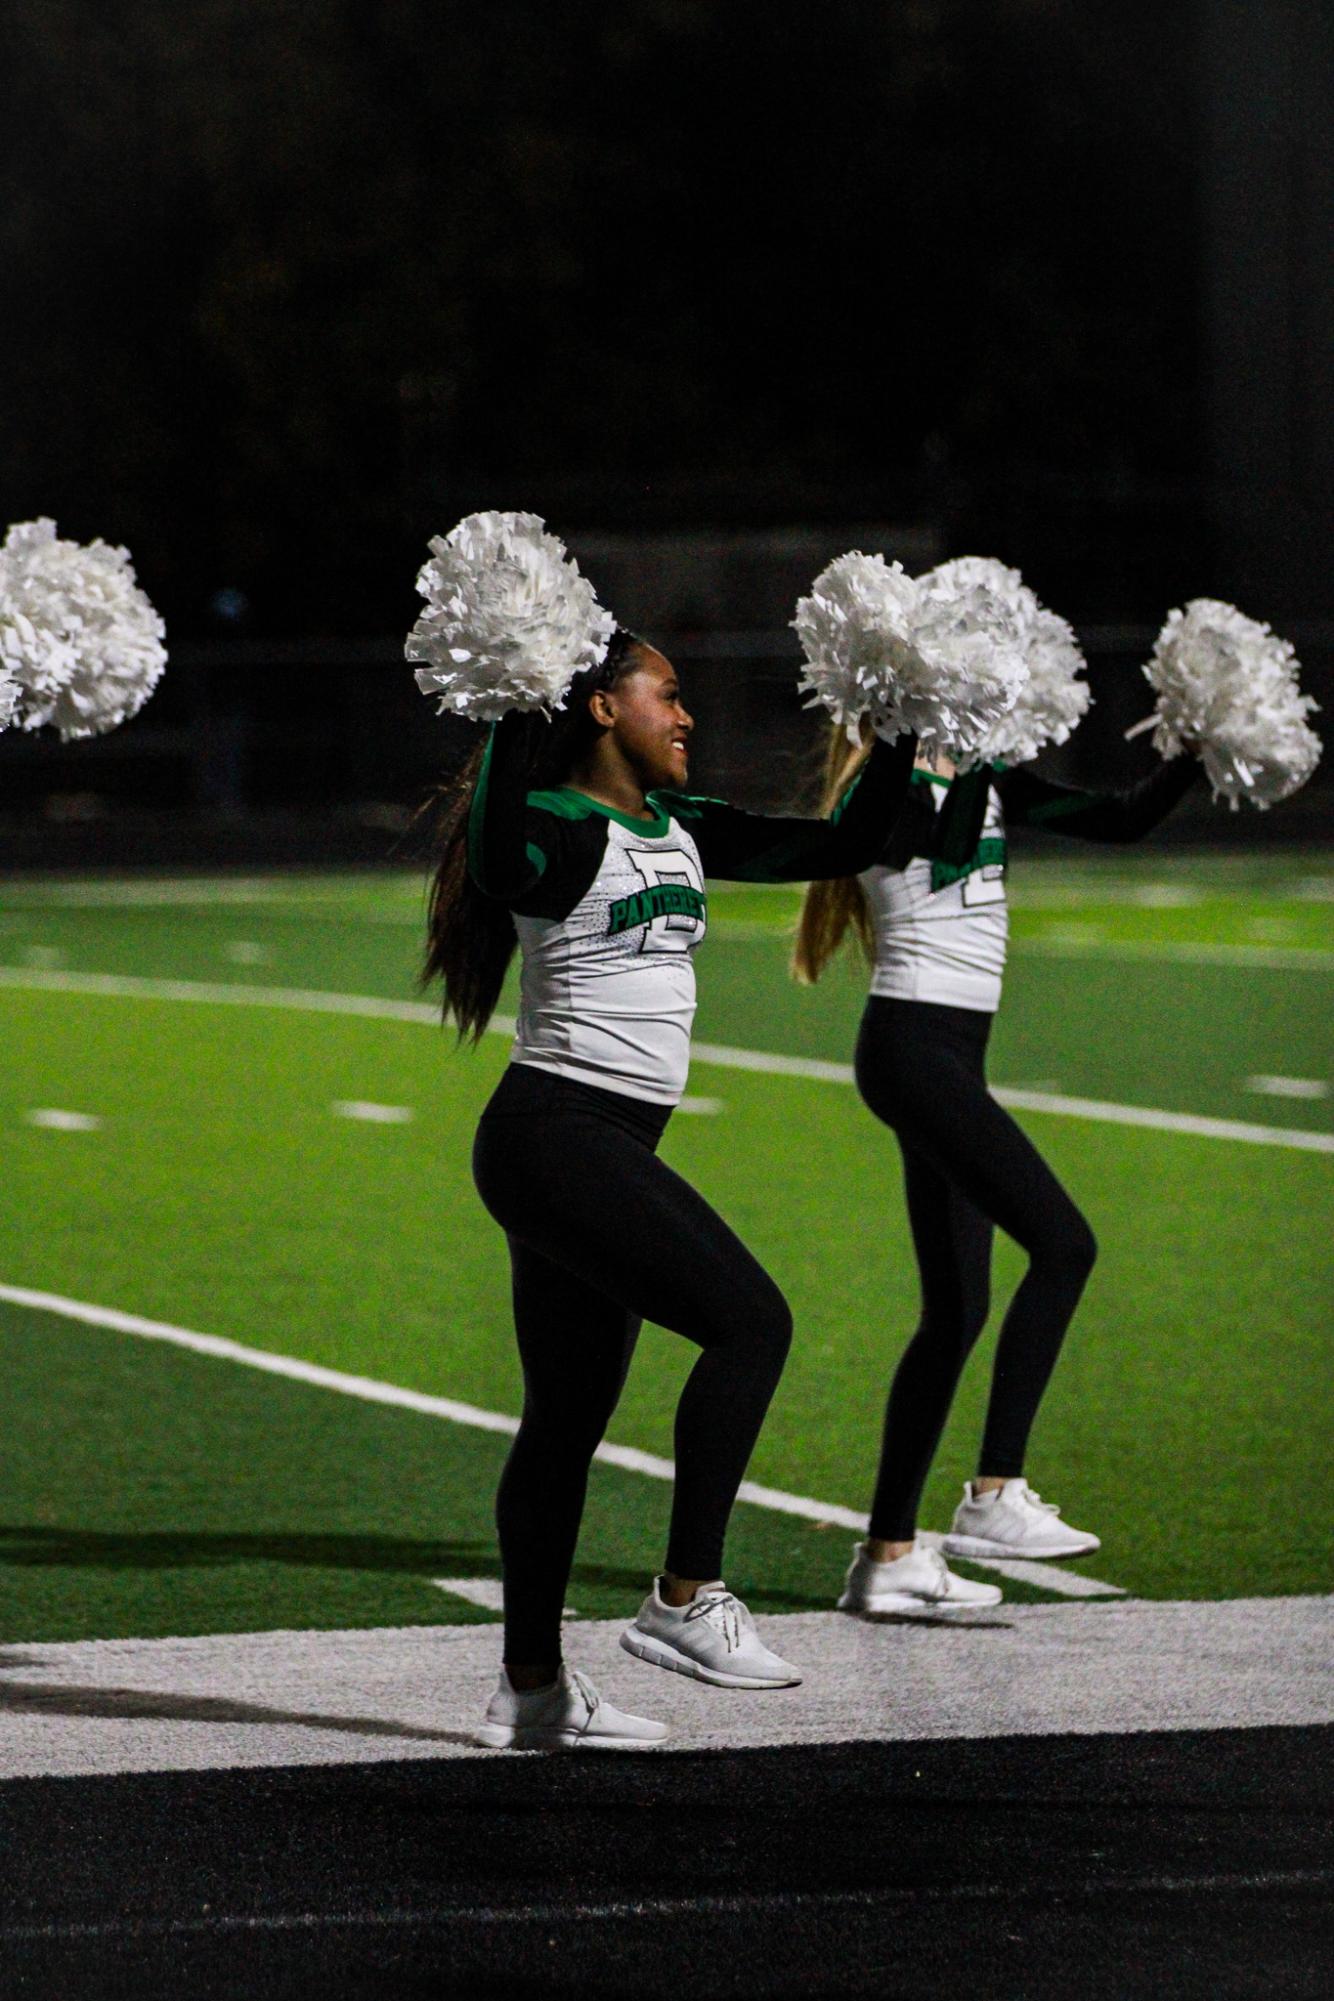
x=566, y=803
x=563, y=805
x=920, y=777
x=684, y=805
x=536, y=857
x=1060, y=809
x=840, y=809
x=989, y=853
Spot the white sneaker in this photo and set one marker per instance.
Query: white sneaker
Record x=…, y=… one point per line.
x=569, y=1715
x=914, y=1584
x=712, y=1638
x=1013, y=1521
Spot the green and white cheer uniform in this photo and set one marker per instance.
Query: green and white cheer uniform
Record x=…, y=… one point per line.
x=937, y=893
x=610, y=907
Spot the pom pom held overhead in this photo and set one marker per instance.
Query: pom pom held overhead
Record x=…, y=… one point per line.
x=9, y=692
x=1227, y=689
x=856, y=631
x=77, y=634
x=508, y=620
x=1053, y=699
x=939, y=656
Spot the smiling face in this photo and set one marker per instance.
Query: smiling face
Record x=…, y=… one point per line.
x=648, y=724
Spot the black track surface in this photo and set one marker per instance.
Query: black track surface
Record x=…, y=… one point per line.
x=1177, y=1864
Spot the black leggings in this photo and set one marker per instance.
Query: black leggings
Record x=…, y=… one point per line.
x=603, y=1235
x=967, y=1165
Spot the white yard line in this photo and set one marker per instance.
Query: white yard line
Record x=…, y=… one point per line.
x=312, y=1000
x=372, y=1114
x=1271, y=958
x=1171, y=1122
x=1288, y=1087
x=628, y=1457
x=220, y=993
x=236, y=1700
x=53, y=1120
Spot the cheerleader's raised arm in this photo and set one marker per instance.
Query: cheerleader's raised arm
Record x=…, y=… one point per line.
x=1124, y=815
x=523, y=843
x=737, y=846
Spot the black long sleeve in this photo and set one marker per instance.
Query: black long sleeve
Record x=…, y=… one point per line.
x=503, y=859
x=755, y=847
x=1125, y=815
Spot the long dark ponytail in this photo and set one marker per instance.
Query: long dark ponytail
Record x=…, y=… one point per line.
x=470, y=938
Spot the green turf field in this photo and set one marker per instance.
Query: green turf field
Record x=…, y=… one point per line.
x=152, y=1491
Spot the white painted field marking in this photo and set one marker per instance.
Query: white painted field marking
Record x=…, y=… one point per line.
x=628, y=1457
x=488, y=1593
x=371, y=1007
x=1288, y=1087
x=1075, y=941
x=1072, y=936
x=145, y=895
x=224, y=993
x=1164, y=896
x=55, y=1121
x=372, y=1114
x=1025, y=1572
x=1069, y=942
x=704, y=1108
x=1169, y=1122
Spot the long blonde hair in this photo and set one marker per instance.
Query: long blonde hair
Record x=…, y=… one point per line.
x=834, y=912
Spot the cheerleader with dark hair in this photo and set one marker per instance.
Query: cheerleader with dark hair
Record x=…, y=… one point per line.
x=574, y=838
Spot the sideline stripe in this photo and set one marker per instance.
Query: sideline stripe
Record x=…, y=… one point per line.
x=1173, y=1122
x=222, y=993
x=1065, y=1584
x=1278, y=958
x=736, y=1904
x=312, y=1000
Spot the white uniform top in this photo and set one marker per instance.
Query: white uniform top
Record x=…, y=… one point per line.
x=607, y=993
x=942, y=941
x=609, y=907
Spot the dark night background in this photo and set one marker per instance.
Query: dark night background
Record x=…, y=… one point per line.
x=719, y=290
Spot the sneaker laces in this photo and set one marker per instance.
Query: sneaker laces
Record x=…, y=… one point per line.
x=724, y=1612
x=585, y=1688
x=1036, y=1501
x=940, y=1570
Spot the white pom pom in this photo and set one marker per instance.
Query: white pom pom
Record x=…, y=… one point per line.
x=971, y=630
x=1053, y=699
x=939, y=656
x=509, y=621
x=9, y=697
x=855, y=629
x=1227, y=687
x=76, y=631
